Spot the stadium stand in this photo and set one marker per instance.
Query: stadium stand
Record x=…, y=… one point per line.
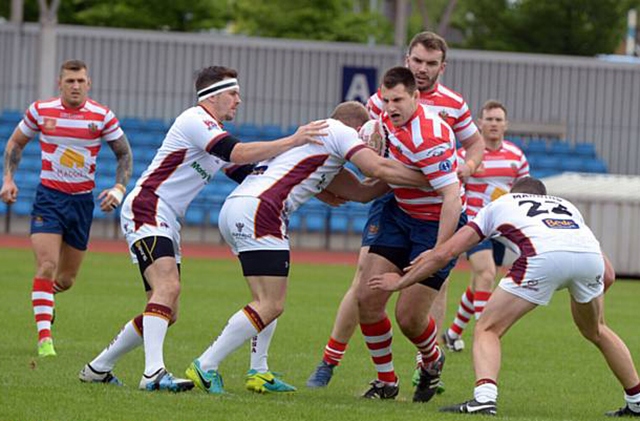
x=546, y=158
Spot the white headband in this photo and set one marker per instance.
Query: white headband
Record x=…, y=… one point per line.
x=218, y=87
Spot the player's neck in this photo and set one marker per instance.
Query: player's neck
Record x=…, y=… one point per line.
x=493, y=145
x=210, y=110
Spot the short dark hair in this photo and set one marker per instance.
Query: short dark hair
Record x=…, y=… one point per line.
x=430, y=41
x=399, y=76
x=529, y=185
x=73, y=65
x=490, y=105
x=351, y=113
x=212, y=74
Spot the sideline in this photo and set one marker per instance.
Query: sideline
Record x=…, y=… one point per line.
x=198, y=250
x=209, y=251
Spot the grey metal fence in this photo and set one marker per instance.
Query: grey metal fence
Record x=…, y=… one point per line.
x=149, y=74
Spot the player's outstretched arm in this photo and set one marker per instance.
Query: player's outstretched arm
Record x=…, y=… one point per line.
x=347, y=185
x=392, y=172
x=12, y=157
x=111, y=198
x=246, y=153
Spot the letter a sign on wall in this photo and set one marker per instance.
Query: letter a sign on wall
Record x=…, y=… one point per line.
x=358, y=83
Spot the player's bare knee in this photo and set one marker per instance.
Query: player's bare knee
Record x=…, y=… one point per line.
x=411, y=325
x=47, y=268
x=65, y=281
x=593, y=333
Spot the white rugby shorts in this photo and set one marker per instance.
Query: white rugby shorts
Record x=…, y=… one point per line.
x=581, y=273
x=167, y=225
x=250, y=224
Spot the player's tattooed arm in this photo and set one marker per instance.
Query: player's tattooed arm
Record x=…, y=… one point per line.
x=122, y=151
x=12, y=157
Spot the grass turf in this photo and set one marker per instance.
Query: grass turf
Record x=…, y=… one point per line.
x=549, y=372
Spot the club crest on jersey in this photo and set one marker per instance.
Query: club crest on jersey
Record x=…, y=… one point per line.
x=210, y=124
x=239, y=226
x=443, y=115
x=49, y=123
x=445, y=166
x=93, y=128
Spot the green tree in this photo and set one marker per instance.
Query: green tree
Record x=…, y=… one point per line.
x=173, y=15
x=327, y=20
x=573, y=27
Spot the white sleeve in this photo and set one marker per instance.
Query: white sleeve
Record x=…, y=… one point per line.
x=201, y=130
x=342, y=140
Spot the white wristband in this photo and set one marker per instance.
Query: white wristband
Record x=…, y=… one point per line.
x=117, y=194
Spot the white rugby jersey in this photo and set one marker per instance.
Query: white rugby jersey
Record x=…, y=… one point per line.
x=290, y=179
x=181, y=167
x=494, y=177
x=535, y=224
x=70, y=139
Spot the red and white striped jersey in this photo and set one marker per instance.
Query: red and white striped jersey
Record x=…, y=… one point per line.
x=449, y=105
x=180, y=169
x=290, y=179
x=495, y=176
x=70, y=141
x=425, y=143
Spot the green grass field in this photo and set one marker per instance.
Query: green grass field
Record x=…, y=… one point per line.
x=549, y=372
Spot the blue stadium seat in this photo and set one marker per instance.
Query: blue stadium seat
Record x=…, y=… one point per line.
x=271, y=132
x=155, y=124
x=550, y=162
x=314, y=222
x=536, y=146
x=290, y=130
x=195, y=214
x=516, y=140
x=585, y=150
x=594, y=166
x=573, y=164
x=22, y=207
x=6, y=130
x=561, y=148
x=12, y=117
x=131, y=123
x=339, y=221
x=248, y=132
x=230, y=127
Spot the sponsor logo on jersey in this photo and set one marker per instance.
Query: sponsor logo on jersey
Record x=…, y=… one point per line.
x=437, y=151
x=205, y=175
x=71, y=158
x=239, y=226
x=563, y=224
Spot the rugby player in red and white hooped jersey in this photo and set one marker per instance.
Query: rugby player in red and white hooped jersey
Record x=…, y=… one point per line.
x=415, y=221
x=426, y=58
x=195, y=148
x=503, y=164
x=254, y=219
x=72, y=128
